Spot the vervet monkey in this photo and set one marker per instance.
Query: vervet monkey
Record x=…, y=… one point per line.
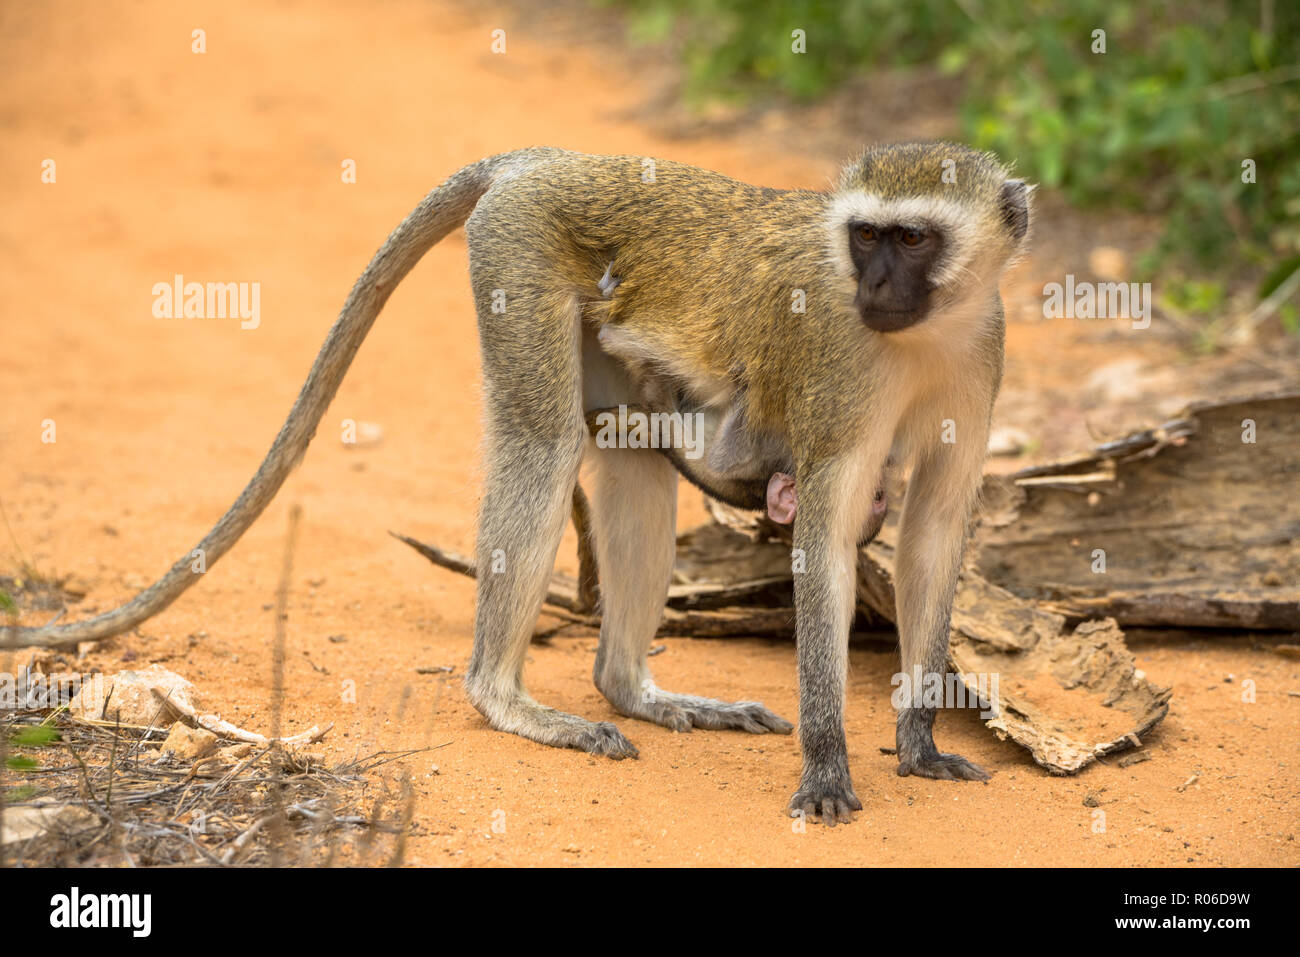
x=850, y=325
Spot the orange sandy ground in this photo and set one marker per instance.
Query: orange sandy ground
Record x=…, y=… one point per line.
x=226, y=166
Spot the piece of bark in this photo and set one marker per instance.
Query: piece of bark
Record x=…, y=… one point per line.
x=1199, y=527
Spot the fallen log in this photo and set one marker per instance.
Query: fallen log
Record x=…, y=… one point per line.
x=1193, y=524
x=697, y=609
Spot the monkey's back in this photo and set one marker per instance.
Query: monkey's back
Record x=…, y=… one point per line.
x=672, y=236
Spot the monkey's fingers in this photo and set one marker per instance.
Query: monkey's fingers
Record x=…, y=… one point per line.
x=606, y=740
x=748, y=716
x=683, y=712
x=836, y=805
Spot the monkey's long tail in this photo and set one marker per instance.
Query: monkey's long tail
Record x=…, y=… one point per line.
x=444, y=209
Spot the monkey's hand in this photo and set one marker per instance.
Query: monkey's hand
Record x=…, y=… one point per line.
x=835, y=802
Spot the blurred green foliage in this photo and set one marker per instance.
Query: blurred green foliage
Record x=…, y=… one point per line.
x=32, y=736
x=35, y=736
x=1160, y=122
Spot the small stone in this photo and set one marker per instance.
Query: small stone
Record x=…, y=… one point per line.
x=189, y=744
x=1107, y=262
x=367, y=434
x=1007, y=440
x=25, y=823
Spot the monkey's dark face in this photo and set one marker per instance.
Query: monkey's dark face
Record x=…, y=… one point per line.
x=894, y=264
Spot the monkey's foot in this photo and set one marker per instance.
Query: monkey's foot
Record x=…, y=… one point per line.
x=942, y=767
x=605, y=739
x=593, y=737
x=682, y=712
x=834, y=802
x=525, y=717
x=918, y=755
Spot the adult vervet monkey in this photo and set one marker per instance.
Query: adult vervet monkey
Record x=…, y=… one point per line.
x=599, y=280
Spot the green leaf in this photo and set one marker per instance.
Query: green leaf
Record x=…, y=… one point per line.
x=35, y=736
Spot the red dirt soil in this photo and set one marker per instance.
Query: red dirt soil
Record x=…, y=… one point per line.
x=226, y=166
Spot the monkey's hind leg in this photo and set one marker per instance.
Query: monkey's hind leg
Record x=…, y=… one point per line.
x=634, y=508
x=535, y=439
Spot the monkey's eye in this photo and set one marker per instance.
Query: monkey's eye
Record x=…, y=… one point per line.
x=866, y=233
x=912, y=237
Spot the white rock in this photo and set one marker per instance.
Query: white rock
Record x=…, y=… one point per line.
x=24, y=823
x=128, y=697
x=1007, y=440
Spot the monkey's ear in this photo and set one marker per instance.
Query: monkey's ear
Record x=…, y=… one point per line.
x=1015, y=207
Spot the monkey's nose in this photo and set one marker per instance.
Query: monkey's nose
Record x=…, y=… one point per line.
x=876, y=277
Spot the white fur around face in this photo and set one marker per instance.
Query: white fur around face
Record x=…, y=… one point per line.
x=957, y=222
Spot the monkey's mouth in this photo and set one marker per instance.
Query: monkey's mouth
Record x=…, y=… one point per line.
x=891, y=320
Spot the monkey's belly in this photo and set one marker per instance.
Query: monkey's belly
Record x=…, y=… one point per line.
x=748, y=493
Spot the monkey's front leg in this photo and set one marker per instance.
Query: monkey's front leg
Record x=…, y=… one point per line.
x=939, y=499
x=825, y=562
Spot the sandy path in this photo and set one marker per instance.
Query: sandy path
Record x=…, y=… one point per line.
x=226, y=166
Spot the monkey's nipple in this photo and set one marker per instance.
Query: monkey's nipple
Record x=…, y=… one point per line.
x=782, y=498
